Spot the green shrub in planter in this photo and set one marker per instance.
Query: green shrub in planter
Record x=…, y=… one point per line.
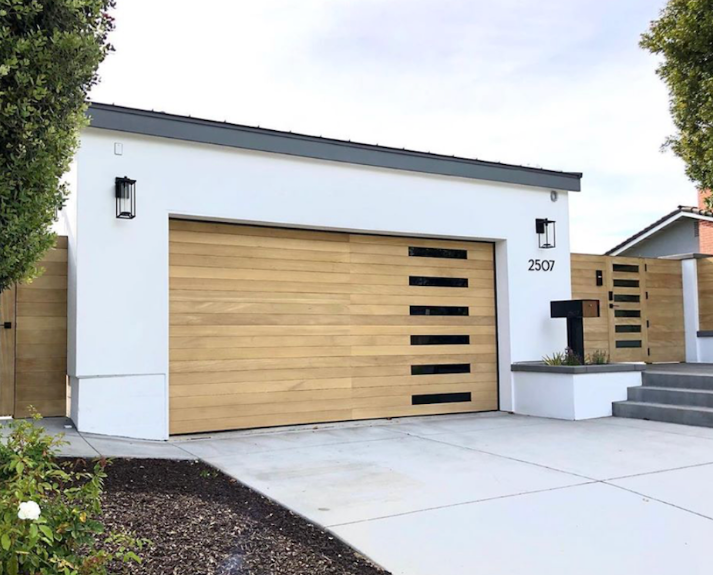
x=598, y=357
x=50, y=510
x=568, y=357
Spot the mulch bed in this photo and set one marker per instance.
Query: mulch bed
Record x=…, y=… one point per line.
x=202, y=522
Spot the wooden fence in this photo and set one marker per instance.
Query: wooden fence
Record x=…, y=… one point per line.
x=705, y=294
x=641, y=304
x=33, y=350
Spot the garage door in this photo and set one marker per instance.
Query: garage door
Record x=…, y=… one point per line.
x=276, y=327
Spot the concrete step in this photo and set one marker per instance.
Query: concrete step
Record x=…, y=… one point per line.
x=672, y=396
x=680, y=380
x=685, y=415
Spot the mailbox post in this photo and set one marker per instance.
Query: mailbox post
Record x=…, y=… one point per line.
x=575, y=310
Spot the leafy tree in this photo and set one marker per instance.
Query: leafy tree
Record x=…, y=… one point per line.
x=683, y=35
x=49, y=54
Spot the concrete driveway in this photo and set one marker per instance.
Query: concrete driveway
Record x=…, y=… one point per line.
x=490, y=493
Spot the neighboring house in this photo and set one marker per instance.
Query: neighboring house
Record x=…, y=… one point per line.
x=686, y=230
x=271, y=278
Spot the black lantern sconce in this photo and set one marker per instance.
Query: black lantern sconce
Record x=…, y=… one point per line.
x=546, y=235
x=125, y=198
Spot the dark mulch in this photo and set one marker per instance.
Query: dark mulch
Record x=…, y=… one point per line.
x=202, y=522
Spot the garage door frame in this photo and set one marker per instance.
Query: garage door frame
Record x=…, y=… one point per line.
x=495, y=332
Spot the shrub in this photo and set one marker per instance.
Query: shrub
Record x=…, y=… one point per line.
x=50, y=519
x=598, y=357
x=566, y=357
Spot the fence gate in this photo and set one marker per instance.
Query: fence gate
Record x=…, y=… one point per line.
x=641, y=301
x=33, y=341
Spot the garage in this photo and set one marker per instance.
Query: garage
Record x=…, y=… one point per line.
x=271, y=278
x=273, y=326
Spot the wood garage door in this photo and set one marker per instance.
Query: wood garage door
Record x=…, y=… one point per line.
x=277, y=327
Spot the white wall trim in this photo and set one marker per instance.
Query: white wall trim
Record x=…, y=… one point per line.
x=124, y=406
x=689, y=273
x=502, y=297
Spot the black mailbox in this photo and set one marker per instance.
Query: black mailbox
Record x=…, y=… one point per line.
x=575, y=310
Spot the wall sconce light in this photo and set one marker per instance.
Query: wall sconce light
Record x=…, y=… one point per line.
x=125, y=198
x=546, y=236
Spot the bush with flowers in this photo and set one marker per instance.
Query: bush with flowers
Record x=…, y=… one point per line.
x=50, y=510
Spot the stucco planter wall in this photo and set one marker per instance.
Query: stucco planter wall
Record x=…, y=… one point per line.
x=572, y=392
x=705, y=346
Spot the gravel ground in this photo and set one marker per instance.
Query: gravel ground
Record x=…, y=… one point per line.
x=202, y=522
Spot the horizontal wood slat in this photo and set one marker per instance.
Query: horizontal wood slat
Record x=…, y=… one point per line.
x=705, y=293
x=660, y=290
x=8, y=340
x=41, y=333
x=584, y=286
x=278, y=327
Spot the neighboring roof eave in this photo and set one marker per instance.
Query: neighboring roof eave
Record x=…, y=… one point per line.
x=150, y=123
x=682, y=212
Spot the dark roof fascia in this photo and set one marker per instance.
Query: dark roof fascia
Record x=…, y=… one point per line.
x=686, y=211
x=150, y=123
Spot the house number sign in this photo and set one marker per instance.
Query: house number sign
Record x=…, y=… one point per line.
x=541, y=265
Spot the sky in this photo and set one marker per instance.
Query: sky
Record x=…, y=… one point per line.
x=557, y=84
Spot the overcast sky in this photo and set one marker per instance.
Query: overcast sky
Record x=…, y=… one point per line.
x=560, y=84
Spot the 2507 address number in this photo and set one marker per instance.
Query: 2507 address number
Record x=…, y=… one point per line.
x=541, y=265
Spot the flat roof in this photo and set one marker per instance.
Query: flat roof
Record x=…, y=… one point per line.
x=163, y=125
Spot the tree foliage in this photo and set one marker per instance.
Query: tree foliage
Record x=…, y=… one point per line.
x=49, y=54
x=683, y=36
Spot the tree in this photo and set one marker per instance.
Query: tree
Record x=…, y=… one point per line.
x=49, y=54
x=683, y=35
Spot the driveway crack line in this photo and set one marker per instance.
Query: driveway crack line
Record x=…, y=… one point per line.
x=593, y=480
x=85, y=440
x=459, y=504
x=658, y=471
x=496, y=427
x=659, y=501
x=193, y=455
x=294, y=447
x=589, y=479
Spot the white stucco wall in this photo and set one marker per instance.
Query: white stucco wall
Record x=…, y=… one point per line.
x=705, y=349
x=698, y=349
x=571, y=396
x=689, y=276
x=121, y=308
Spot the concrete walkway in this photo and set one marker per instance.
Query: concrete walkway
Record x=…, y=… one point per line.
x=493, y=494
